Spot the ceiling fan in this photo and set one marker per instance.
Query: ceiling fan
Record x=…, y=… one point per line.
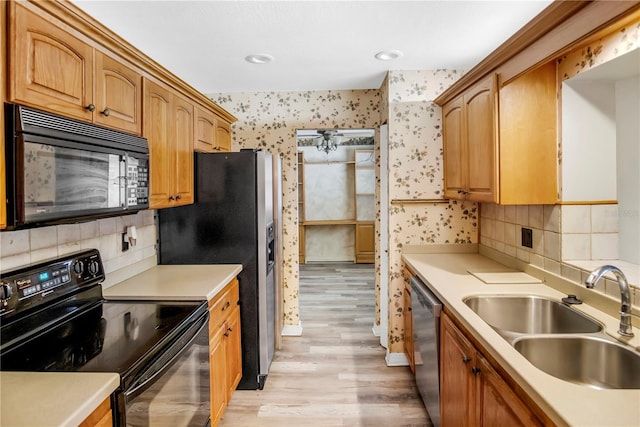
x=328, y=140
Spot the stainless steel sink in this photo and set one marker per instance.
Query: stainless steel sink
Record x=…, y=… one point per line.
x=528, y=314
x=591, y=361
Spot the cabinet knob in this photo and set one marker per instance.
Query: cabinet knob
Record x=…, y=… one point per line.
x=90, y=107
x=226, y=306
x=475, y=370
x=105, y=112
x=229, y=330
x=172, y=197
x=179, y=196
x=466, y=359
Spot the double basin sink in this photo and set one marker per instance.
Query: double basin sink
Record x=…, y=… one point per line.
x=560, y=341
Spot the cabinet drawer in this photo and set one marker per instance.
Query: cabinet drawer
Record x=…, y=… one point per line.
x=220, y=307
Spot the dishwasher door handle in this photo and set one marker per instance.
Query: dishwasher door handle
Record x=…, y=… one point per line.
x=431, y=301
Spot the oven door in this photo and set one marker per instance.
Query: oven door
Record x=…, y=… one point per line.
x=173, y=390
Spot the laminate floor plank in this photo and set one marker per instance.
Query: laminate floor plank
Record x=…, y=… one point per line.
x=335, y=374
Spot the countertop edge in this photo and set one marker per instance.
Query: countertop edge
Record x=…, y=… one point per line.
x=541, y=387
x=83, y=393
x=160, y=283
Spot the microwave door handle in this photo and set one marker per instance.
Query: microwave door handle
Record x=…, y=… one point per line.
x=123, y=181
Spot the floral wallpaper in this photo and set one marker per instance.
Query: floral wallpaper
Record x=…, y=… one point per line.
x=416, y=172
x=270, y=120
x=605, y=49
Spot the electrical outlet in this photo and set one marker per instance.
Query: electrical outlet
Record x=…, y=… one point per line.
x=527, y=237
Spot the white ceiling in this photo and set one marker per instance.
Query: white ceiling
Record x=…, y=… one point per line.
x=317, y=45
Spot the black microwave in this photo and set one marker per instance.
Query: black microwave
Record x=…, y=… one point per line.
x=61, y=170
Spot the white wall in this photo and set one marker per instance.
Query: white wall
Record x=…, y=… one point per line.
x=588, y=141
x=628, y=168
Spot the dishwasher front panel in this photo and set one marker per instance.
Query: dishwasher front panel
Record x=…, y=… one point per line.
x=426, y=308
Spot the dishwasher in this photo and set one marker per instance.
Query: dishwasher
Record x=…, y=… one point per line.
x=425, y=309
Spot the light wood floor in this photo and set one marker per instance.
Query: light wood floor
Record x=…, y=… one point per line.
x=335, y=373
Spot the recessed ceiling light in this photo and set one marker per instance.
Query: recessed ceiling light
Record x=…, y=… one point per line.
x=388, y=55
x=259, y=58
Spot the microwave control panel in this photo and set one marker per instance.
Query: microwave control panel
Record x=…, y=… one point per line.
x=137, y=182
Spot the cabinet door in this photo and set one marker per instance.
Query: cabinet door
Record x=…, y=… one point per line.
x=158, y=129
x=365, y=242
x=100, y=417
x=480, y=104
x=217, y=363
x=454, y=150
x=50, y=68
x=528, y=138
x=456, y=380
x=118, y=96
x=234, y=352
x=498, y=403
x=184, y=119
x=205, y=131
x=223, y=135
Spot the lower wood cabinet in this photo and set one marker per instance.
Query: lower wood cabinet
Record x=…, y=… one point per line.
x=100, y=417
x=472, y=392
x=225, y=351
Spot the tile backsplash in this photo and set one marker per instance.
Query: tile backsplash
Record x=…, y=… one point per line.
x=568, y=240
x=24, y=247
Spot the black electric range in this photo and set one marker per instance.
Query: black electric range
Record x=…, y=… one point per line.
x=53, y=318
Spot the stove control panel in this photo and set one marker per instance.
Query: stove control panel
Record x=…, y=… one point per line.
x=31, y=286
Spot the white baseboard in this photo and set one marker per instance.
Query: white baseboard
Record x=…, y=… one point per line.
x=292, y=330
x=396, y=359
x=376, y=330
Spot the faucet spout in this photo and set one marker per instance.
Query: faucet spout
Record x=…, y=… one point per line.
x=625, y=295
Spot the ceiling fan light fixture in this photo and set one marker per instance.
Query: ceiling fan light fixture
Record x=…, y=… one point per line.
x=259, y=58
x=328, y=141
x=388, y=55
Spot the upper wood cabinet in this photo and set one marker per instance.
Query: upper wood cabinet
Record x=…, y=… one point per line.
x=528, y=138
x=118, y=94
x=500, y=146
x=57, y=69
x=469, y=138
x=223, y=135
x=3, y=63
x=205, y=130
x=168, y=127
x=213, y=134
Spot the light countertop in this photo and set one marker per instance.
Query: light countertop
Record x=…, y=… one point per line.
x=175, y=283
x=565, y=403
x=67, y=398
x=52, y=398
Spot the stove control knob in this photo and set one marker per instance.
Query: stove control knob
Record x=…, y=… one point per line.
x=93, y=267
x=5, y=293
x=78, y=267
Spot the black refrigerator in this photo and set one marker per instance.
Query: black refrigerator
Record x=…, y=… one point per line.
x=231, y=222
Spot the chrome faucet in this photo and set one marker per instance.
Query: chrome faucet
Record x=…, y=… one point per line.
x=625, y=295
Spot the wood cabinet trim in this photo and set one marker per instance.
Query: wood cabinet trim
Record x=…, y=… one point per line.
x=557, y=29
x=3, y=82
x=94, y=32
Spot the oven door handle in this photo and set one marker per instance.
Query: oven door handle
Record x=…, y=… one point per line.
x=141, y=383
